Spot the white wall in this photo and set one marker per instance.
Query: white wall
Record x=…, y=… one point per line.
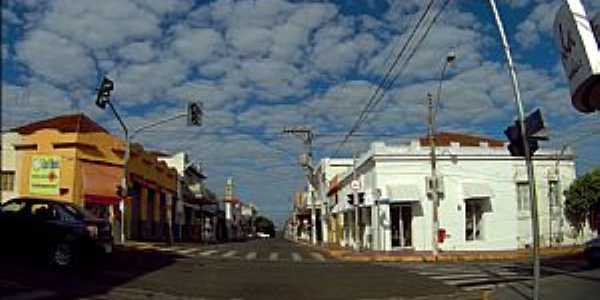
x=9, y=161
x=502, y=226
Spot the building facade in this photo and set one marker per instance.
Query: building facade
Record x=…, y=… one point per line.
x=9, y=179
x=484, y=203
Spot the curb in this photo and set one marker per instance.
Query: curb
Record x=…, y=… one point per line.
x=351, y=256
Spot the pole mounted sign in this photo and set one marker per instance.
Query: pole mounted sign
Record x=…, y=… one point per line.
x=45, y=175
x=580, y=55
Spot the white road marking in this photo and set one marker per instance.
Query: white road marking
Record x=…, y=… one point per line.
x=188, y=251
x=318, y=256
x=229, y=253
x=251, y=256
x=274, y=256
x=296, y=257
x=478, y=280
x=208, y=252
x=480, y=287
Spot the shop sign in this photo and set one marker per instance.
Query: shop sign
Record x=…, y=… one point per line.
x=45, y=175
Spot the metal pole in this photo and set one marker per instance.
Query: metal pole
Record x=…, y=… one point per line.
x=528, y=161
x=434, y=194
x=355, y=198
x=125, y=172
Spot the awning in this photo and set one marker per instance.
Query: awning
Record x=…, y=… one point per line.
x=403, y=193
x=100, y=183
x=476, y=190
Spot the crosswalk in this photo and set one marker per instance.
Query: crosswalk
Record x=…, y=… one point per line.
x=248, y=255
x=473, y=277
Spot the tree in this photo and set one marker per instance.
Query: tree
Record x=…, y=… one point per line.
x=583, y=200
x=264, y=225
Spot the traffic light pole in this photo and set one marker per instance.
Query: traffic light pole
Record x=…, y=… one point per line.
x=528, y=160
x=125, y=173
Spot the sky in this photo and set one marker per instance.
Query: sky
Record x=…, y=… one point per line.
x=259, y=66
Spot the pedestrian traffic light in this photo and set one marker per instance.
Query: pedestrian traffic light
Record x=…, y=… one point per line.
x=103, y=96
x=535, y=131
x=195, y=114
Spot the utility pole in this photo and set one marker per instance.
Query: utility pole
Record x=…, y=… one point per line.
x=528, y=161
x=433, y=182
x=306, y=135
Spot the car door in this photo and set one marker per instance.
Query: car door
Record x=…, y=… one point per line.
x=46, y=225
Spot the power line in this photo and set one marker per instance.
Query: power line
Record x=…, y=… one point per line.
x=385, y=83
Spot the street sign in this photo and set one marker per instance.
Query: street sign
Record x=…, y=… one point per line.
x=579, y=54
x=355, y=185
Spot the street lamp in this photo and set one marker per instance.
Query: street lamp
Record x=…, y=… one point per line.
x=432, y=132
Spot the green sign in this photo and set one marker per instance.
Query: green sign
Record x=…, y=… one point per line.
x=45, y=175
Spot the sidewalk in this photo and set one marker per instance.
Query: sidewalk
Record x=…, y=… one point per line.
x=345, y=254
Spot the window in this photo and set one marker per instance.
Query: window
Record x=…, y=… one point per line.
x=523, y=196
x=8, y=180
x=13, y=207
x=473, y=214
x=553, y=196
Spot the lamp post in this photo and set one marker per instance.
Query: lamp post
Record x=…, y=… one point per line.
x=432, y=132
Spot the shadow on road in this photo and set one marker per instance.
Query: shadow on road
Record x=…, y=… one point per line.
x=25, y=277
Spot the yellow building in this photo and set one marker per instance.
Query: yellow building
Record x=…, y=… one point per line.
x=71, y=158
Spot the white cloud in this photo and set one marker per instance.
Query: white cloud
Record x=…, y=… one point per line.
x=138, y=52
x=100, y=24
x=198, y=45
x=55, y=58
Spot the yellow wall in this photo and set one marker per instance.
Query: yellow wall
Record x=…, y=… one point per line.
x=97, y=147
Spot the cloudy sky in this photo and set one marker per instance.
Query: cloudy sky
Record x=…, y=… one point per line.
x=261, y=65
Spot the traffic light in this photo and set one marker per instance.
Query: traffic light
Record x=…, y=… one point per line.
x=103, y=96
x=535, y=131
x=194, y=114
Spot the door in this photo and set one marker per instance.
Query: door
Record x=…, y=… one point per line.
x=406, y=225
x=395, y=224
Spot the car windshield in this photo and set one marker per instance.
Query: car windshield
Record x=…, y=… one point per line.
x=306, y=149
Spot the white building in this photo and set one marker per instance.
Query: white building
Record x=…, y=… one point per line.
x=9, y=166
x=484, y=206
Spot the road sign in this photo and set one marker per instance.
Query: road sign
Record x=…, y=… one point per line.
x=355, y=185
x=579, y=54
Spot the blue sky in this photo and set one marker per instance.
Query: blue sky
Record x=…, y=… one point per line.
x=261, y=65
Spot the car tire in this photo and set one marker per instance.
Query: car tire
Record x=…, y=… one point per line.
x=62, y=255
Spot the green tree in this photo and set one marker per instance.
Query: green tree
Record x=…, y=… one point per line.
x=264, y=225
x=583, y=200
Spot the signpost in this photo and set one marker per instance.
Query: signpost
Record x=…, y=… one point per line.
x=580, y=55
x=45, y=175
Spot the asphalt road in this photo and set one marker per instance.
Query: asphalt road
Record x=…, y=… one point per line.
x=259, y=269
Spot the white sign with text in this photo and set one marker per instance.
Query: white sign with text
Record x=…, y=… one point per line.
x=579, y=53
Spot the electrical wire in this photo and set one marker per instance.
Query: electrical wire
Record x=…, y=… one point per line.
x=373, y=101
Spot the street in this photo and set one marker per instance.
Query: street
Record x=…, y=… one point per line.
x=258, y=269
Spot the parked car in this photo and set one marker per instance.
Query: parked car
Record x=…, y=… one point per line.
x=60, y=232
x=591, y=252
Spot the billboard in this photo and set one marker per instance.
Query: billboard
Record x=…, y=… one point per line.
x=579, y=53
x=45, y=175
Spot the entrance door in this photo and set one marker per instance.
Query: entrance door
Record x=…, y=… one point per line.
x=406, y=225
x=395, y=222
x=401, y=219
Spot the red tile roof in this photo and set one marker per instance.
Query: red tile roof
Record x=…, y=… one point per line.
x=445, y=138
x=66, y=123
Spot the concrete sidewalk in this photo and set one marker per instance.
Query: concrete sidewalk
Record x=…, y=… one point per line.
x=345, y=254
